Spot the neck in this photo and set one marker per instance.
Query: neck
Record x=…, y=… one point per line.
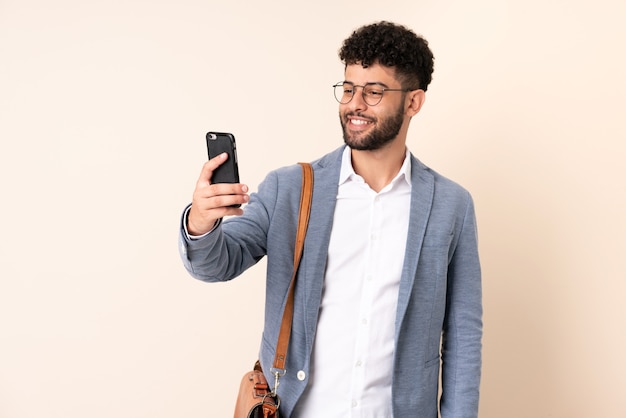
x=379, y=167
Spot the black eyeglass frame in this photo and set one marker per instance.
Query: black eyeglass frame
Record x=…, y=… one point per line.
x=365, y=97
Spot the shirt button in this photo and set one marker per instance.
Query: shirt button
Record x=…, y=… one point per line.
x=301, y=375
x=354, y=404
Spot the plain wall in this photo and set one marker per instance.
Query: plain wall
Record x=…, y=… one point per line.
x=103, y=110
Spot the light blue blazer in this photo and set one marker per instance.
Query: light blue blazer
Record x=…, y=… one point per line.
x=439, y=313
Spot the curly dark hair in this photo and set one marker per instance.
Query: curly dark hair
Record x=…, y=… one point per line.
x=391, y=45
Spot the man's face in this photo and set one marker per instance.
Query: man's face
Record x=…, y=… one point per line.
x=368, y=127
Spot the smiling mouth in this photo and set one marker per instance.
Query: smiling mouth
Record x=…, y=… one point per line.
x=358, y=121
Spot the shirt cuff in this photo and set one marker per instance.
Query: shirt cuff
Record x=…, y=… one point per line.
x=196, y=237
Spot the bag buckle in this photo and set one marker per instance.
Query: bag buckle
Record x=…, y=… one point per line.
x=278, y=373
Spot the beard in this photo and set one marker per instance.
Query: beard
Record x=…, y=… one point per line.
x=386, y=131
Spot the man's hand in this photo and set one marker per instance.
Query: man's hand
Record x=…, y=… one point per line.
x=214, y=201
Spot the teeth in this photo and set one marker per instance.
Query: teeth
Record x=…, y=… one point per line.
x=359, y=122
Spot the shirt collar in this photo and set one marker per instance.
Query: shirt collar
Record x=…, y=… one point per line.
x=347, y=171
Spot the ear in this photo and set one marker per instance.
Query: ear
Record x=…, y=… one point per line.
x=416, y=99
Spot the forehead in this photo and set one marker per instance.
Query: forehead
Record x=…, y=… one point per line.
x=374, y=73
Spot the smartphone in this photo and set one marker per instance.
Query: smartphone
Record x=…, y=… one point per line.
x=217, y=143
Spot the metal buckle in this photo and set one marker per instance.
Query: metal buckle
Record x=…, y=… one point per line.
x=277, y=375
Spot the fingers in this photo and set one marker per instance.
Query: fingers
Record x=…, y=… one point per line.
x=210, y=166
x=220, y=195
x=203, y=213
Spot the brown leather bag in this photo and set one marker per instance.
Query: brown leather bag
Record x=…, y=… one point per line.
x=256, y=399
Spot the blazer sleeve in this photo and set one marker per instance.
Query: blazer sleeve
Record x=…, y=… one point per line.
x=236, y=244
x=462, y=331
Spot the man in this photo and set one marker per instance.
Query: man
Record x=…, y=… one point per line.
x=389, y=284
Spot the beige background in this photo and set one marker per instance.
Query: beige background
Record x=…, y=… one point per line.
x=103, y=110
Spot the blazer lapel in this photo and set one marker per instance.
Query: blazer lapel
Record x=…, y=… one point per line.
x=325, y=186
x=422, y=192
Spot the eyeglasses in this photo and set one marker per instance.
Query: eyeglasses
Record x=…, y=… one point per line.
x=372, y=92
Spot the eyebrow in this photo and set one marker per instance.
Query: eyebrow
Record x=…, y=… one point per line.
x=378, y=83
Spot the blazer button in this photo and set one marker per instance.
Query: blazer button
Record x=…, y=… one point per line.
x=301, y=375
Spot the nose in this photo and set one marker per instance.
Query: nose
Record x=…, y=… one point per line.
x=358, y=100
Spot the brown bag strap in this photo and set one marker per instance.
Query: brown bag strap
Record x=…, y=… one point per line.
x=282, y=345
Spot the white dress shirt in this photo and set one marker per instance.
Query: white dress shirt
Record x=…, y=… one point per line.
x=352, y=359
